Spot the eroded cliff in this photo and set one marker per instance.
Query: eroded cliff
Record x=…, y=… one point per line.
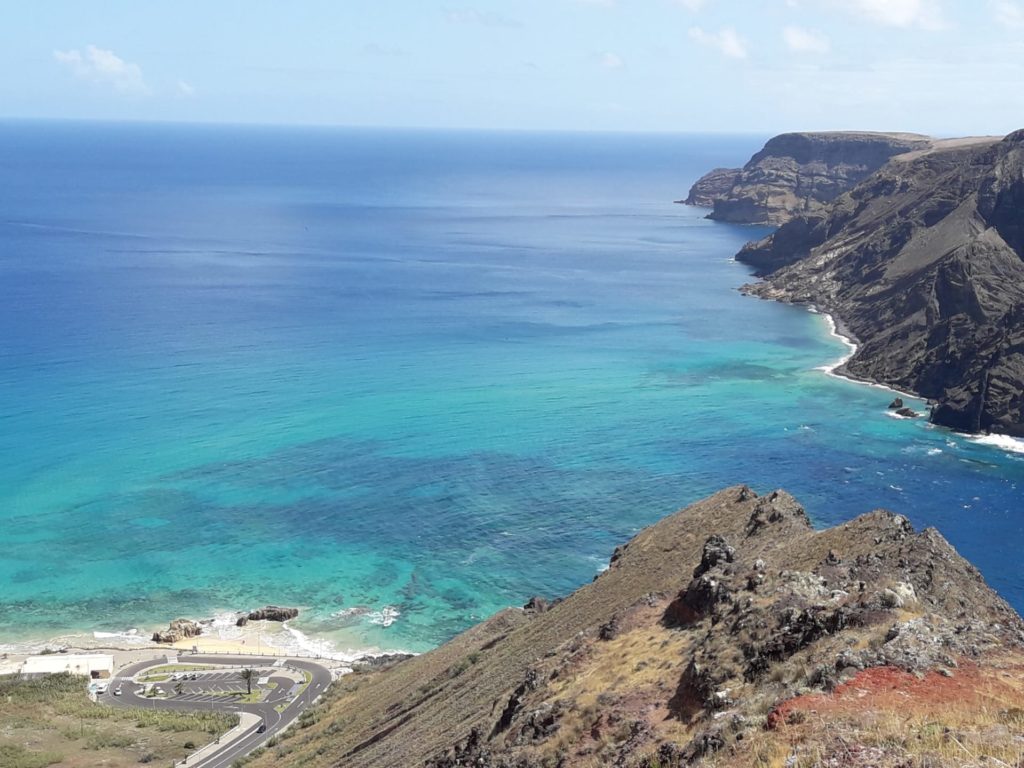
x=923, y=263
x=797, y=173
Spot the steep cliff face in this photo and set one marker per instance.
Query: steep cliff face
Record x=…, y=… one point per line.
x=923, y=263
x=705, y=641
x=797, y=173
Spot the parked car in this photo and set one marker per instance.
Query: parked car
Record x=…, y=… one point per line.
x=117, y=691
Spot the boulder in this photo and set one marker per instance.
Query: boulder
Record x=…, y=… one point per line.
x=179, y=629
x=273, y=613
x=897, y=403
x=907, y=413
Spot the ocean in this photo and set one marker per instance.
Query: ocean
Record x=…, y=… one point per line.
x=404, y=379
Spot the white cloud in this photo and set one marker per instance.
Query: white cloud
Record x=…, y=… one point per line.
x=484, y=18
x=1008, y=13
x=803, y=40
x=690, y=5
x=104, y=67
x=185, y=90
x=725, y=40
x=611, y=60
x=926, y=14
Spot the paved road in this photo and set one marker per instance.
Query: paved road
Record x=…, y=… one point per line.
x=227, y=680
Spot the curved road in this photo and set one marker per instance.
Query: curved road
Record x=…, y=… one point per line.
x=244, y=744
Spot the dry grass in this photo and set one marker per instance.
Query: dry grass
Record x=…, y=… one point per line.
x=49, y=721
x=975, y=717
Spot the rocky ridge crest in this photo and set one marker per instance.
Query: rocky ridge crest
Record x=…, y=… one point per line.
x=697, y=645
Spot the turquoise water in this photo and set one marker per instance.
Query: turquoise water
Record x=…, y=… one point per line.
x=401, y=379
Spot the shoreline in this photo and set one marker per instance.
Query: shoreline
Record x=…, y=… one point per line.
x=220, y=636
x=1005, y=443
x=831, y=369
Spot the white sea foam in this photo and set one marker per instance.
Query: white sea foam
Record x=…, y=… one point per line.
x=297, y=641
x=130, y=636
x=292, y=640
x=934, y=451
x=225, y=626
x=833, y=330
x=830, y=368
x=385, y=617
x=1002, y=442
x=894, y=415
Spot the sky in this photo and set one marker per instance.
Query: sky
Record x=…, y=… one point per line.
x=944, y=67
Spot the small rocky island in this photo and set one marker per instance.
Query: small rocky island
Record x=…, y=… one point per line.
x=920, y=260
x=730, y=634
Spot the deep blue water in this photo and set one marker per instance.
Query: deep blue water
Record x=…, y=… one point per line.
x=433, y=373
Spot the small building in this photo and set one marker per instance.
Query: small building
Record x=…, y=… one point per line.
x=98, y=666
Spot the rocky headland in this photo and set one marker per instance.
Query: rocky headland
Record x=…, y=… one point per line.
x=797, y=173
x=922, y=264
x=730, y=633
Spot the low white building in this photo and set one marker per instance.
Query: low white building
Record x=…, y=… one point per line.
x=94, y=665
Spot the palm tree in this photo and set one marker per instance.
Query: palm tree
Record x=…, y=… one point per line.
x=248, y=674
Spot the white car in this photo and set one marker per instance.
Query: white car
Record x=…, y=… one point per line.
x=101, y=688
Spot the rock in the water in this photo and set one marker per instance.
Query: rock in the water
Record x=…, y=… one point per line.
x=242, y=621
x=179, y=629
x=897, y=403
x=907, y=413
x=273, y=613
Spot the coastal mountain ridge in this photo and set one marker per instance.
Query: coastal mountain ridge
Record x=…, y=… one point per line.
x=922, y=264
x=714, y=637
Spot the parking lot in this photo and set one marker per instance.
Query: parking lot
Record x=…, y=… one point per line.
x=215, y=687
x=281, y=689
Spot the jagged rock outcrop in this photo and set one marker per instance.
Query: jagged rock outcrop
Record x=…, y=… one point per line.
x=702, y=640
x=179, y=629
x=797, y=173
x=923, y=264
x=273, y=613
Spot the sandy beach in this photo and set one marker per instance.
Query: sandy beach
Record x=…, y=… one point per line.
x=221, y=635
